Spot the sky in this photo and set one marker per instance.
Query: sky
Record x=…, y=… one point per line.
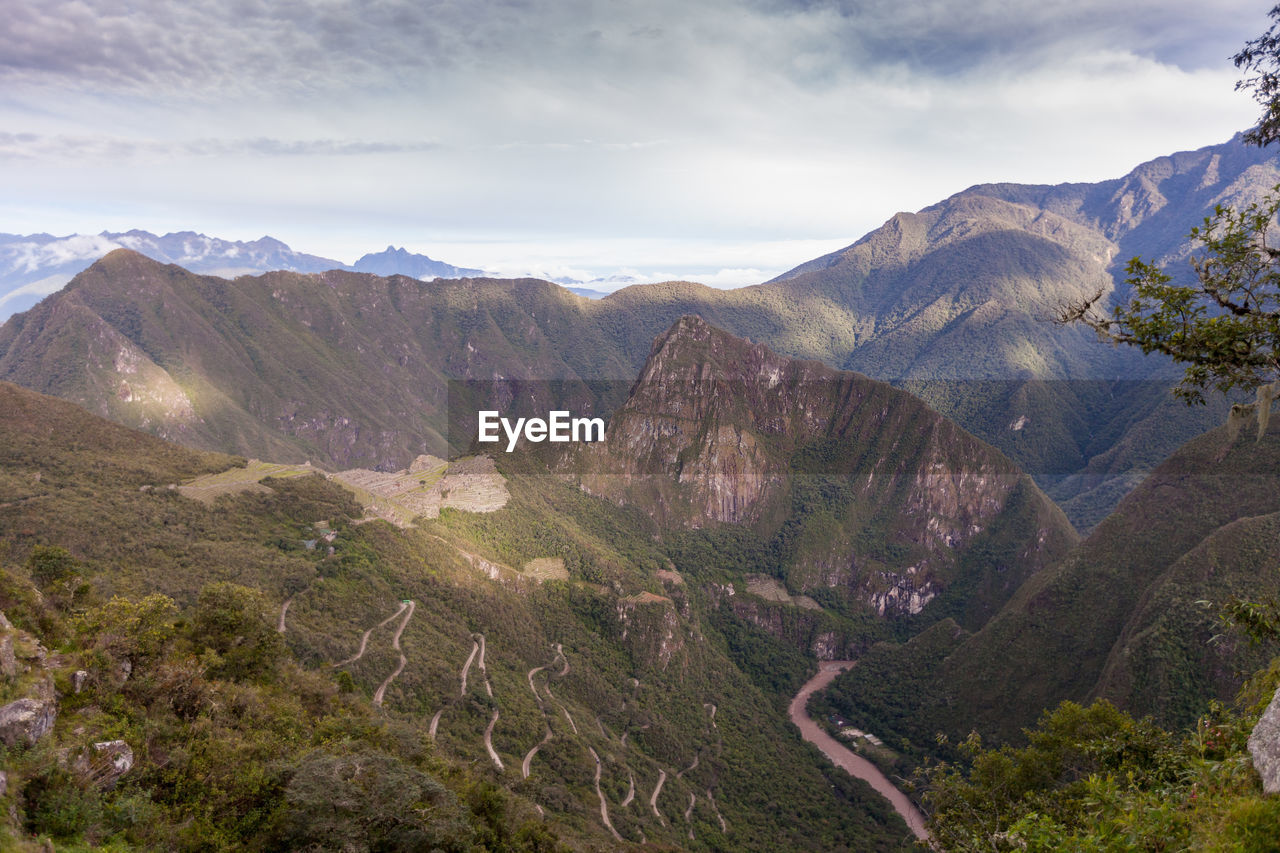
x=720, y=140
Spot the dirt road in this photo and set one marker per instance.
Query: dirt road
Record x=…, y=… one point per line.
x=604, y=805
x=653, y=798
x=364, y=640
x=395, y=644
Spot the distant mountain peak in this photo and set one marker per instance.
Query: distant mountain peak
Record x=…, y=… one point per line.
x=400, y=261
x=34, y=265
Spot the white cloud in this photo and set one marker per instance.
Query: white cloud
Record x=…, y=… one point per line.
x=31, y=256
x=43, y=287
x=730, y=121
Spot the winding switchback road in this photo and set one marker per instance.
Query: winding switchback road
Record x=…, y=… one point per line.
x=528, y=756
x=435, y=723
x=475, y=647
x=488, y=741
x=364, y=640
x=724, y=827
x=488, y=689
x=631, y=790
x=395, y=644
x=480, y=663
x=604, y=805
x=653, y=798
x=537, y=669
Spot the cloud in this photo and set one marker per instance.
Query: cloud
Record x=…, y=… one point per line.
x=213, y=49
x=29, y=256
x=546, y=120
x=63, y=146
x=42, y=287
x=953, y=36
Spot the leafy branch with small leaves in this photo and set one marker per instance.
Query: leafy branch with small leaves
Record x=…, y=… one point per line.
x=1225, y=326
x=1260, y=61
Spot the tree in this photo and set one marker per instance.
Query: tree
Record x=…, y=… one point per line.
x=230, y=619
x=1225, y=326
x=1260, y=60
x=50, y=564
x=138, y=631
x=352, y=797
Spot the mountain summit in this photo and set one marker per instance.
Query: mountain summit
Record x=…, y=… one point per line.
x=949, y=303
x=395, y=261
x=856, y=486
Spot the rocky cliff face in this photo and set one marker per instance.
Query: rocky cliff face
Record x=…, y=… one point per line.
x=1132, y=615
x=858, y=486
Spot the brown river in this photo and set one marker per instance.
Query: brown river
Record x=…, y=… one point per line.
x=842, y=756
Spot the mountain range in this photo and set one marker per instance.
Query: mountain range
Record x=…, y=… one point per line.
x=35, y=265
x=665, y=687
x=950, y=303
x=860, y=458
x=758, y=511
x=1132, y=615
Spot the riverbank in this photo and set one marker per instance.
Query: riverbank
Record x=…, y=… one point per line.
x=843, y=757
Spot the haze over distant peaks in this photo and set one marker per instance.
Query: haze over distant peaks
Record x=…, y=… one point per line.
x=34, y=265
x=949, y=303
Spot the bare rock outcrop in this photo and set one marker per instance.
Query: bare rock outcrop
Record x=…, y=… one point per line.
x=8, y=660
x=1264, y=746
x=24, y=721
x=875, y=492
x=104, y=763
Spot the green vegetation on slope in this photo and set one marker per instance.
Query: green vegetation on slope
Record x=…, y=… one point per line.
x=347, y=369
x=1128, y=616
x=1094, y=778
x=245, y=737
x=847, y=490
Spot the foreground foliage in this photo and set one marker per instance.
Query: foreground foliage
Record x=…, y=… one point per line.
x=1095, y=778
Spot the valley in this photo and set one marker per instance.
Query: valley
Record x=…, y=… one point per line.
x=485, y=667
x=247, y=529
x=352, y=370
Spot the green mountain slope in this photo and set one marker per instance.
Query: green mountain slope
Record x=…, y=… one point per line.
x=1131, y=615
x=854, y=490
x=962, y=291
x=256, y=651
x=343, y=368
x=950, y=303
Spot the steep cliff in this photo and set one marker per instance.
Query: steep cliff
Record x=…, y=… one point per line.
x=1132, y=615
x=854, y=486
